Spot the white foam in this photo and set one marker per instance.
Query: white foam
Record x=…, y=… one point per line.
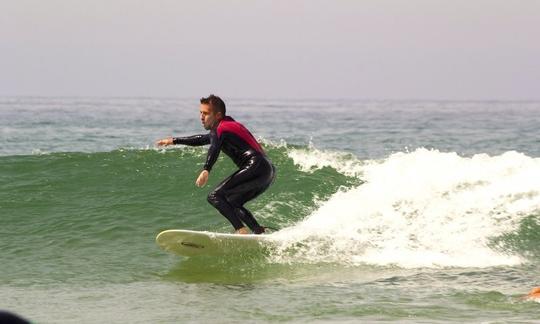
x=38, y=151
x=310, y=159
x=418, y=209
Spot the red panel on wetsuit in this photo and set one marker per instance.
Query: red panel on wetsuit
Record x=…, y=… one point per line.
x=228, y=124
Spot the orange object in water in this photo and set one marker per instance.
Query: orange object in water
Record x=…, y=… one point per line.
x=534, y=293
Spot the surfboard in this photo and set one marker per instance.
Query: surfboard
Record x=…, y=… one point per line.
x=192, y=243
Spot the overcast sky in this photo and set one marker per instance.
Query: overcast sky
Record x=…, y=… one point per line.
x=402, y=49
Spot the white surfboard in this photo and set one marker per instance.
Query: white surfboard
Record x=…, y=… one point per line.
x=191, y=243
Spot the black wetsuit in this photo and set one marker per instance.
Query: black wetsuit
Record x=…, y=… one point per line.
x=256, y=173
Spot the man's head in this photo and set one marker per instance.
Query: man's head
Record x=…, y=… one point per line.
x=212, y=111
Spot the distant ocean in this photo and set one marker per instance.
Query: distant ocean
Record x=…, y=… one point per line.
x=409, y=211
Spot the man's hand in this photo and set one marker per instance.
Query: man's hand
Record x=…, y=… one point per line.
x=165, y=141
x=202, y=179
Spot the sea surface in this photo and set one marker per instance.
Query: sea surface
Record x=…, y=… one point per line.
x=409, y=211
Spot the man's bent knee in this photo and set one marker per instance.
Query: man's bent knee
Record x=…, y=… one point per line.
x=215, y=198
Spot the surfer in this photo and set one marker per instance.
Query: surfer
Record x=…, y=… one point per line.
x=255, y=174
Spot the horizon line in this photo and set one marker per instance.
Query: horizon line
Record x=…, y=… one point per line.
x=275, y=98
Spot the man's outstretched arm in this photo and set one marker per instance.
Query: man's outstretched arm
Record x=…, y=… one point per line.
x=211, y=157
x=195, y=140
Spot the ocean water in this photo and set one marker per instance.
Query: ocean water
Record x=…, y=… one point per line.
x=409, y=211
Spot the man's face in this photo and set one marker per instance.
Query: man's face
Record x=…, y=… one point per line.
x=209, y=119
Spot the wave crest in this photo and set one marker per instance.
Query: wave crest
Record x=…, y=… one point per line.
x=421, y=209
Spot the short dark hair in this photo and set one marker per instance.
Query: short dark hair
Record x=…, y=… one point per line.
x=217, y=104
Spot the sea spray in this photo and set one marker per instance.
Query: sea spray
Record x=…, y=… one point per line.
x=420, y=209
x=310, y=158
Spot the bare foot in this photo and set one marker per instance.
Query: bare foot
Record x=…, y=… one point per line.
x=242, y=230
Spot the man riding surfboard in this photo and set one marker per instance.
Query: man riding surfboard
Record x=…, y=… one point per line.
x=255, y=174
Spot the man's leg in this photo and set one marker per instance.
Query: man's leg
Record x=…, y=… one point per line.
x=245, y=184
x=248, y=219
x=258, y=186
x=217, y=199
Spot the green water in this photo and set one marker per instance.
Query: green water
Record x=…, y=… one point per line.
x=80, y=228
x=84, y=208
x=368, y=236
